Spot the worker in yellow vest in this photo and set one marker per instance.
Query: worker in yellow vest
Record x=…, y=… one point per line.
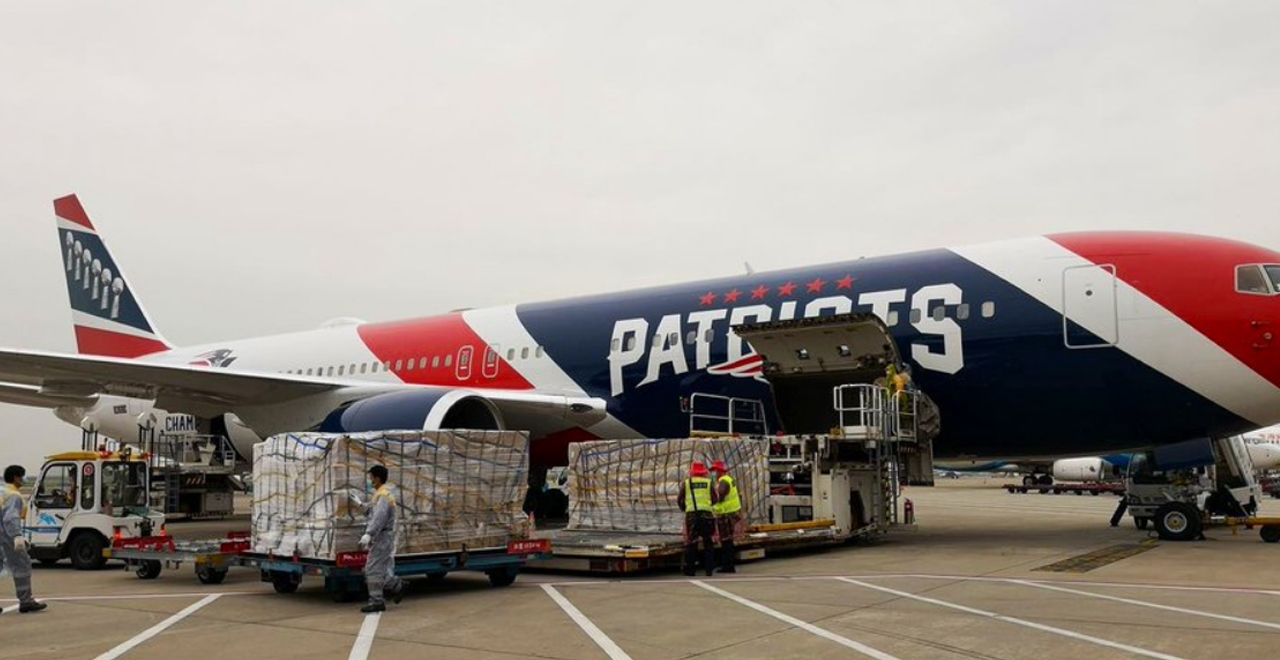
x=697, y=499
x=728, y=512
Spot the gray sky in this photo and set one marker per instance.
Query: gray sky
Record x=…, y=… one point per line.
x=260, y=169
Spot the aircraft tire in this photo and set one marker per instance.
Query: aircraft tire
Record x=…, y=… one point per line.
x=1270, y=533
x=1177, y=521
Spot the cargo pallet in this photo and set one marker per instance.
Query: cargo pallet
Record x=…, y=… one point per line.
x=622, y=552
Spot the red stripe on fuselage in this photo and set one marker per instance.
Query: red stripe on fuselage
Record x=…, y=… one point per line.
x=438, y=337
x=1194, y=277
x=68, y=208
x=92, y=341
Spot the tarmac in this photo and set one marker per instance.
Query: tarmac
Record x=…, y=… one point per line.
x=969, y=582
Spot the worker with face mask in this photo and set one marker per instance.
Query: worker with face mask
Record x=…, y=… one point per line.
x=13, y=545
x=380, y=541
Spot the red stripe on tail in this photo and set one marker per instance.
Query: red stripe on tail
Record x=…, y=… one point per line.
x=68, y=208
x=92, y=341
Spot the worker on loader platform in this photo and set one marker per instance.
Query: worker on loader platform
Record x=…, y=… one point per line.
x=13, y=545
x=380, y=541
x=697, y=498
x=728, y=510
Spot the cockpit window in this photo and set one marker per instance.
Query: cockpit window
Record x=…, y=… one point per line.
x=1273, y=274
x=1256, y=280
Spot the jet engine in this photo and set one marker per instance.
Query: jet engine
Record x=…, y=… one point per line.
x=426, y=409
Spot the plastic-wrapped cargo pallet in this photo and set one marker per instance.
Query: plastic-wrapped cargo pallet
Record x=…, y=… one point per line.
x=452, y=488
x=632, y=485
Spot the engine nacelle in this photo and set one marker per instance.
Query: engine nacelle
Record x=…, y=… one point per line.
x=1083, y=469
x=426, y=409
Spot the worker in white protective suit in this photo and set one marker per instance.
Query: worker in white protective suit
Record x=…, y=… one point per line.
x=380, y=541
x=13, y=545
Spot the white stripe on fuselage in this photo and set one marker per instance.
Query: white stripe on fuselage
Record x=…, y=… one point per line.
x=501, y=326
x=1148, y=331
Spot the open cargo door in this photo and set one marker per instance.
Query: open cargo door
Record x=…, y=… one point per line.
x=806, y=359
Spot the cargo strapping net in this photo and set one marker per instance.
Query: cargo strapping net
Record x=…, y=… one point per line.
x=452, y=488
x=632, y=485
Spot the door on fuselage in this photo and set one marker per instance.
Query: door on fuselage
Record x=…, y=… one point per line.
x=1089, y=318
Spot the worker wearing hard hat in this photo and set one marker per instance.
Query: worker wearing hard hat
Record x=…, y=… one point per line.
x=728, y=511
x=380, y=540
x=13, y=545
x=697, y=499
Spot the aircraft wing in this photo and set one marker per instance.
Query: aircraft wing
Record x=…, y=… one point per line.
x=55, y=375
x=26, y=395
x=52, y=379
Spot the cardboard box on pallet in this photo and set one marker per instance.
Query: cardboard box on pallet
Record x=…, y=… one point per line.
x=453, y=488
x=632, y=485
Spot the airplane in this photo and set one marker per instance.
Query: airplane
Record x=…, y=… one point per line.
x=1263, y=446
x=1101, y=341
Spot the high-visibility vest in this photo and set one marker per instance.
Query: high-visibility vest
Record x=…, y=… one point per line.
x=697, y=494
x=730, y=503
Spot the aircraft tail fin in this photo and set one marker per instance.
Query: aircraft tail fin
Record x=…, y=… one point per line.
x=109, y=319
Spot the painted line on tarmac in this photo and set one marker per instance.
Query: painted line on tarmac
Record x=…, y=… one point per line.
x=1157, y=606
x=1086, y=583
x=803, y=625
x=602, y=640
x=157, y=629
x=194, y=594
x=917, y=576
x=364, y=640
x=1016, y=621
x=10, y=609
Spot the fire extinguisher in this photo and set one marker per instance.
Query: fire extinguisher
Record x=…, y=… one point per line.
x=908, y=512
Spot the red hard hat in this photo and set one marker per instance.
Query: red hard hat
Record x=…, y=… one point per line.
x=718, y=466
x=698, y=469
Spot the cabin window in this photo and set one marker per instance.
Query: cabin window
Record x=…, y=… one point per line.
x=364, y=367
x=916, y=315
x=435, y=362
x=524, y=353
x=893, y=319
x=630, y=343
x=613, y=345
x=399, y=365
x=691, y=338
x=939, y=313
x=1258, y=280
x=537, y=352
x=657, y=341
x=962, y=311
x=308, y=372
x=673, y=339
x=330, y=371
x=511, y=352
x=709, y=335
x=409, y=365
x=448, y=360
x=988, y=309
x=342, y=369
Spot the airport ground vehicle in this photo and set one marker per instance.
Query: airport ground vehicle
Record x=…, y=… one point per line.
x=83, y=500
x=1178, y=489
x=343, y=577
x=1060, y=488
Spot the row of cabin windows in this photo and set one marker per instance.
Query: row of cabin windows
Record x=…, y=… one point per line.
x=962, y=313
x=401, y=365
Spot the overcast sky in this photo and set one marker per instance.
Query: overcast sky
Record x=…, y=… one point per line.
x=263, y=167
